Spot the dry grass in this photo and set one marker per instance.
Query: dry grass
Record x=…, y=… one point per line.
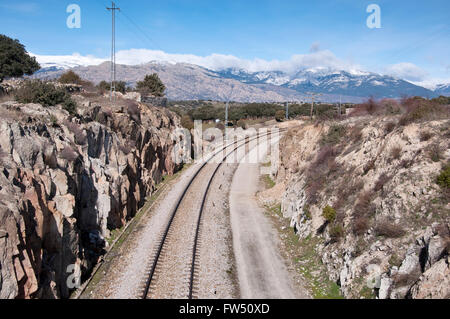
x=425, y=136
x=388, y=229
x=354, y=134
x=346, y=190
x=363, y=210
x=435, y=152
x=369, y=166
x=413, y=109
x=396, y=152
x=319, y=171
x=373, y=107
x=389, y=127
x=418, y=109
x=381, y=182
x=360, y=225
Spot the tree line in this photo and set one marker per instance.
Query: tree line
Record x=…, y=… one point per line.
x=212, y=111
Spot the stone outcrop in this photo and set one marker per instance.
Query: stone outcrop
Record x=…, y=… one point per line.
x=388, y=176
x=66, y=182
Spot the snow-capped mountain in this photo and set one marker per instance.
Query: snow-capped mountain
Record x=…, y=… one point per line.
x=337, y=82
x=443, y=89
x=65, y=62
x=189, y=81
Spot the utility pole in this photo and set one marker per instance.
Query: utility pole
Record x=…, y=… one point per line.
x=287, y=110
x=112, y=89
x=226, y=111
x=226, y=114
x=313, y=96
x=340, y=102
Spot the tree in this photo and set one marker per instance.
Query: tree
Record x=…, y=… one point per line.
x=187, y=122
x=151, y=84
x=70, y=77
x=14, y=59
x=104, y=86
x=280, y=115
x=121, y=87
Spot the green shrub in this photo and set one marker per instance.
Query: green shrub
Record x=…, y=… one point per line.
x=329, y=213
x=53, y=120
x=395, y=260
x=442, y=100
x=44, y=93
x=307, y=213
x=336, y=232
x=187, y=122
x=334, y=135
x=443, y=179
x=37, y=91
x=69, y=105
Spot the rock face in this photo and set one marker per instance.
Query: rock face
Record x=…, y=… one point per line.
x=66, y=182
x=390, y=235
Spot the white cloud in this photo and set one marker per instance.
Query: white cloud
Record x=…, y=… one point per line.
x=319, y=59
x=323, y=59
x=407, y=71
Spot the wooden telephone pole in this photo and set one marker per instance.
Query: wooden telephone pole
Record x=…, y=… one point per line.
x=313, y=96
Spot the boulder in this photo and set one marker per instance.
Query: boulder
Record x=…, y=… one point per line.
x=434, y=283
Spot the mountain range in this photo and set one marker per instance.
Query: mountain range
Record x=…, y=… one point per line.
x=192, y=82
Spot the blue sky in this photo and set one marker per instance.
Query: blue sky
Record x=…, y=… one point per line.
x=413, y=42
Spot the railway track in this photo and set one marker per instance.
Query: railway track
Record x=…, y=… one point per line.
x=176, y=259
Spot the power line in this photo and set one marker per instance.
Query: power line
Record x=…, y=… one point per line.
x=151, y=41
x=134, y=27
